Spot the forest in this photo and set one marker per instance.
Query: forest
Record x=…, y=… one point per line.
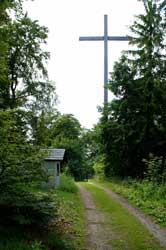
x=128, y=144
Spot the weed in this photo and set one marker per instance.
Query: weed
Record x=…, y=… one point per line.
x=67, y=184
x=37, y=245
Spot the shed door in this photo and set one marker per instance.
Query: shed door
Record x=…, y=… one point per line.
x=51, y=167
x=58, y=168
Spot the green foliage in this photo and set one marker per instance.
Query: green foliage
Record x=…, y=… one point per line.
x=154, y=171
x=41, y=125
x=67, y=184
x=21, y=169
x=20, y=161
x=60, y=240
x=37, y=245
x=67, y=126
x=99, y=170
x=67, y=133
x=136, y=120
x=64, y=231
x=27, y=115
x=25, y=61
x=16, y=244
x=92, y=147
x=71, y=220
x=21, y=206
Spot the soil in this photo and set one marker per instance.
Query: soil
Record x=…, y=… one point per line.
x=99, y=234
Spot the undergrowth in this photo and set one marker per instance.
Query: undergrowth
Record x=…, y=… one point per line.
x=67, y=184
x=64, y=232
x=71, y=212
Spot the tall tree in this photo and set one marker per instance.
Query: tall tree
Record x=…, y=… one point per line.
x=5, y=20
x=20, y=162
x=139, y=81
x=24, y=81
x=21, y=84
x=25, y=60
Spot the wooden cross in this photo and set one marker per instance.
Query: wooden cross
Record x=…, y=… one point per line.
x=105, y=38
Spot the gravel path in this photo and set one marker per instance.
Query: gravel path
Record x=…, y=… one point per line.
x=99, y=233
x=155, y=229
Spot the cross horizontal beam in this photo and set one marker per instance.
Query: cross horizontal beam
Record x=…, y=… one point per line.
x=101, y=38
x=105, y=38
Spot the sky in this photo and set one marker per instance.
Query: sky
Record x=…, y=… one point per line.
x=77, y=67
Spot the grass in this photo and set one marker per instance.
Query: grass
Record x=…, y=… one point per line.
x=148, y=196
x=67, y=185
x=128, y=232
x=65, y=233
x=71, y=212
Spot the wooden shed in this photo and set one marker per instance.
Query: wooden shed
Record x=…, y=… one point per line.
x=53, y=164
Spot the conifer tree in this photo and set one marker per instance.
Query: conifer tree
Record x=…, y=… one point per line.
x=136, y=117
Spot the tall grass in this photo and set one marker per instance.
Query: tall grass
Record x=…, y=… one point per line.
x=67, y=184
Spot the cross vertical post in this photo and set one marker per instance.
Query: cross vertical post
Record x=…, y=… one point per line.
x=105, y=59
x=105, y=38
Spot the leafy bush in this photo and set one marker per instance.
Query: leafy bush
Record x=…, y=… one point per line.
x=99, y=170
x=26, y=208
x=67, y=184
x=155, y=171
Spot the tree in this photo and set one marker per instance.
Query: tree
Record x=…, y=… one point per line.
x=66, y=133
x=22, y=87
x=20, y=161
x=92, y=148
x=21, y=169
x=25, y=61
x=67, y=126
x=24, y=82
x=42, y=126
x=137, y=114
x=5, y=20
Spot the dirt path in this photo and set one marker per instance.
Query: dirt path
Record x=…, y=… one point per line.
x=98, y=232
x=155, y=229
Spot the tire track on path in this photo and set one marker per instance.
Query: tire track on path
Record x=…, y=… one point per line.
x=155, y=229
x=99, y=234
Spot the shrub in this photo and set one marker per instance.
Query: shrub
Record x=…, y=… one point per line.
x=154, y=171
x=99, y=170
x=67, y=184
x=26, y=208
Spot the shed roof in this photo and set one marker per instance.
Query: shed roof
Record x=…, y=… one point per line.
x=55, y=154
